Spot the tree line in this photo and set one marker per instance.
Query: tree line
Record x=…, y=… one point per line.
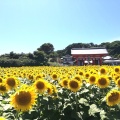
x=46, y=54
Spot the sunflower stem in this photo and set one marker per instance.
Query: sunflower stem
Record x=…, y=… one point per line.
x=38, y=103
x=76, y=99
x=116, y=108
x=76, y=102
x=17, y=116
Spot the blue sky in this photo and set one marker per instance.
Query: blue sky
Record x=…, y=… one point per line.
x=27, y=24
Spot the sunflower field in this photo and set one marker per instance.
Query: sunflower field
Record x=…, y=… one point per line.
x=60, y=93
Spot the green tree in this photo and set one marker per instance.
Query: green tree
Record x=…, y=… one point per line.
x=60, y=53
x=30, y=55
x=75, y=45
x=53, y=56
x=40, y=57
x=47, y=48
x=115, y=48
x=13, y=55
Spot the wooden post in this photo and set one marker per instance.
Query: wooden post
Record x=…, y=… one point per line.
x=100, y=60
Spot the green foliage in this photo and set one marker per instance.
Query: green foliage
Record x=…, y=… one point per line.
x=40, y=57
x=113, y=48
x=60, y=53
x=53, y=55
x=17, y=62
x=46, y=51
x=47, y=48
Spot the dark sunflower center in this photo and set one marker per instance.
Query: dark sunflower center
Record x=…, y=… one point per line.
x=38, y=77
x=102, y=81
x=110, y=78
x=87, y=75
x=73, y=84
x=102, y=71
x=40, y=85
x=48, y=90
x=24, y=74
x=113, y=97
x=65, y=82
x=118, y=82
x=80, y=73
x=11, y=82
x=31, y=77
x=54, y=76
x=116, y=69
x=2, y=88
x=23, y=98
x=77, y=78
x=92, y=79
x=0, y=80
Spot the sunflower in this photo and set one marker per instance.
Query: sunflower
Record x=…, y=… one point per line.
x=49, y=89
x=38, y=76
x=64, y=82
x=11, y=82
x=92, y=79
x=40, y=85
x=30, y=76
x=103, y=82
x=117, y=69
x=23, y=74
x=103, y=70
x=54, y=76
x=8, y=75
x=87, y=75
x=3, y=88
x=1, y=79
x=15, y=73
x=113, y=97
x=64, y=76
x=43, y=75
x=74, y=85
x=77, y=77
x=116, y=77
x=81, y=73
x=23, y=99
x=118, y=82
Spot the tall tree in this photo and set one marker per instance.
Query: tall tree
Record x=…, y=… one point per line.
x=47, y=48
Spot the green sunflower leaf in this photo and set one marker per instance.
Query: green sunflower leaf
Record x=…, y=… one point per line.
x=93, y=110
x=84, y=101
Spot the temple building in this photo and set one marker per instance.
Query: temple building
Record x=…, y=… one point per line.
x=93, y=56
